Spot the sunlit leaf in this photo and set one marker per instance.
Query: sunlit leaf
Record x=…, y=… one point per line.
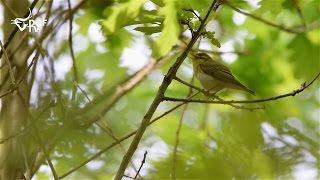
x=171, y=29
x=121, y=15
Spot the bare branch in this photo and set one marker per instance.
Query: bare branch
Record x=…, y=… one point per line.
x=225, y=52
x=74, y=67
x=142, y=162
x=16, y=86
x=13, y=80
x=50, y=105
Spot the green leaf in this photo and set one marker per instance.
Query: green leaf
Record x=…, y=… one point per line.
x=214, y=41
x=158, y=2
x=149, y=30
x=171, y=29
x=275, y=7
x=200, y=6
x=209, y=34
x=86, y=20
x=305, y=57
x=149, y=17
x=120, y=16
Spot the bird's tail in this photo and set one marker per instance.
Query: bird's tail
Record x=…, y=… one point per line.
x=249, y=91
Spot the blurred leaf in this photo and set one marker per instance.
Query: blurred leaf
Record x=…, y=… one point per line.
x=169, y=36
x=149, y=17
x=121, y=15
x=274, y=7
x=305, y=56
x=158, y=2
x=214, y=41
x=149, y=30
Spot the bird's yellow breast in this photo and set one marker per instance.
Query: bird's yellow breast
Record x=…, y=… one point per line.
x=207, y=81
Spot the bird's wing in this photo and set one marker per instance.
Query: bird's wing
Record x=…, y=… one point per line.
x=220, y=72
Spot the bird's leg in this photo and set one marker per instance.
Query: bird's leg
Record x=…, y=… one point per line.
x=212, y=95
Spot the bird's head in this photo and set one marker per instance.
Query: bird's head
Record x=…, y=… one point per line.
x=200, y=58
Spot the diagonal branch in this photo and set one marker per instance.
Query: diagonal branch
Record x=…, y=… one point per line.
x=13, y=80
x=159, y=97
x=120, y=91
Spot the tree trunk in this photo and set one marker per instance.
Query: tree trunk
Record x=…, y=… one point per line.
x=14, y=107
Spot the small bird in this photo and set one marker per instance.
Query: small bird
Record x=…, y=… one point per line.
x=215, y=76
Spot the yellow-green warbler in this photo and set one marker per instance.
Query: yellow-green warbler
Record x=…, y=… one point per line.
x=213, y=75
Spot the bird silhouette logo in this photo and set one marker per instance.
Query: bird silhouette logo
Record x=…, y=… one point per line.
x=22, y=23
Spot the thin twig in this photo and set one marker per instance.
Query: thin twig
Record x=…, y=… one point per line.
x=20, y=43
x=85, y=94
x=74, y=67
x=35, y=58
x=38, y=137
x=48, y=13
x=8, y=92
x=50, y=105
x=127, y=176
x=224, y=52
x=16, y=86
x=176, y=144
x=13, y=80
x=142, y=163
